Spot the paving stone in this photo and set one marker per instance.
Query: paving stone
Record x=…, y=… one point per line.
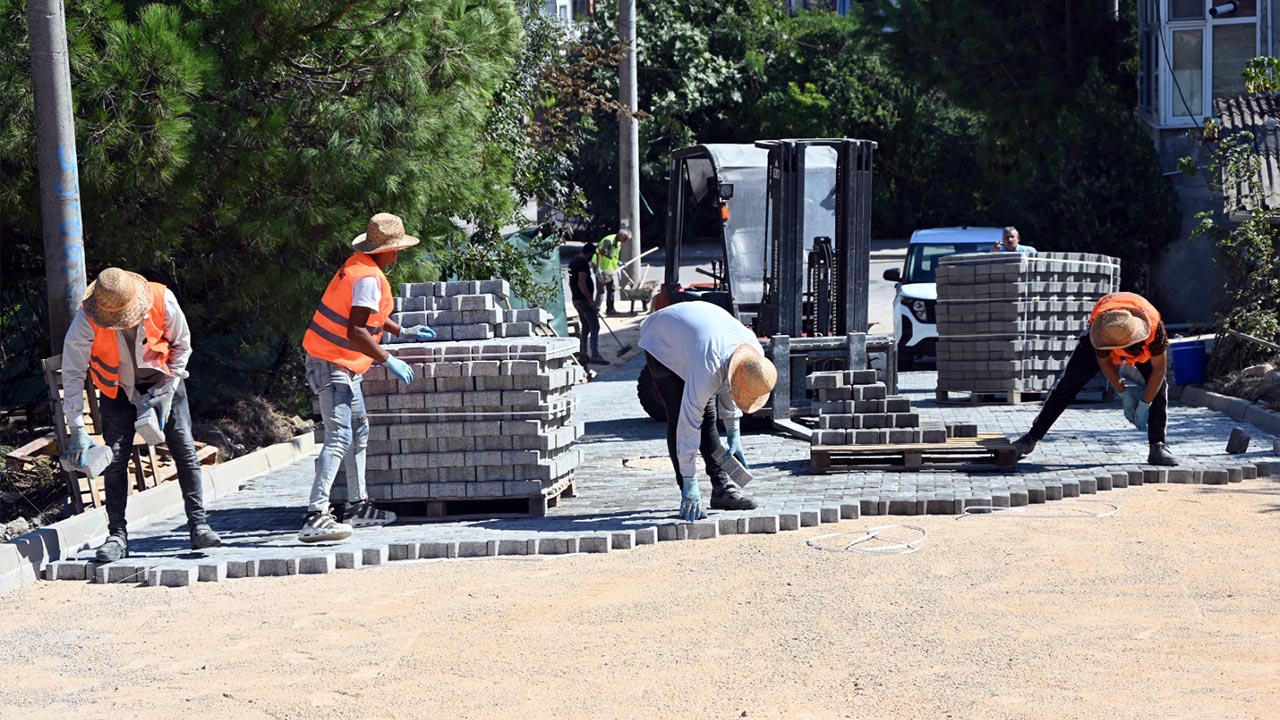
x=271, y=567
x=211, y=571
x=242, y=568
x=402, y=551
x=809, y=518
x=766, y=524
x=376, y=555
x=829, y=514
x=317, y=564
x=68, y=570
x=120, y=572
x=670, y=532
x=1216, y=477
x=788, y=521
x=646, y=536
x=850, y=511
x=1238, y=443
x=594, y=544
x=175, y=577
x=728, y=525
x=622, y=539
x=558, y=546
x=348, y=559
x=702, y=530
x=477, y=548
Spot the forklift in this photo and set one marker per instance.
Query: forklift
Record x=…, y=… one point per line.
x=785, y=227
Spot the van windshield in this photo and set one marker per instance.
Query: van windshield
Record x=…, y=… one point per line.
x=922, y=260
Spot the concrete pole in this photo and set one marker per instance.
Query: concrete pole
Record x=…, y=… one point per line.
x=56, y=159
x=628, y=132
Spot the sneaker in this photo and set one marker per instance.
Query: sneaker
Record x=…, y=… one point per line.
x=1160, y=455
x=321, y=527
x=364, y=514
x=732, y=498
x=203, y=536
x=598, y=360
x=115, y=548
x=1024, y=446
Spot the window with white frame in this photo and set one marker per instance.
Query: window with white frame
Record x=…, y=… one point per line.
x=1191, y=51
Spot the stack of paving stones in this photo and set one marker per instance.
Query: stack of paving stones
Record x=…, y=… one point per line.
x=489, y=419
x=465, y=310
x=854, y=408
x=1008, y=322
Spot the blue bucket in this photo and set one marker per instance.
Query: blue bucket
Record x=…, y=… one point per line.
x=1188, y=359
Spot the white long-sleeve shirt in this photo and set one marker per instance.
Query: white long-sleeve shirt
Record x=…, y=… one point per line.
x=78, y=345
x=695, y=341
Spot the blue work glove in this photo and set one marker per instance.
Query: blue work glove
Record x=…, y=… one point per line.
x=419, y=333
x=161, y=401
x=1129, y=399
x=78, y=444
x=735, y=447
x=1140, y=415
x=400, y=369
x=690, y=501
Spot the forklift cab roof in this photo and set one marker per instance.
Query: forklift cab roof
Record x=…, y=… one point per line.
x=714, y=167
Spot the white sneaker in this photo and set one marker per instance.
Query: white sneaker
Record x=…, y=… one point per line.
x=364, y=514
x=321, y=527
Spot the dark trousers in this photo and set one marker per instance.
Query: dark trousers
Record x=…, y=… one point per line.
x=670, y=391
x=589, y=327
x=608, y=293
x=1081, y=368
x=118, y=418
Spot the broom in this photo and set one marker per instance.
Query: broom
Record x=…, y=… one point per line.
x=622, y=349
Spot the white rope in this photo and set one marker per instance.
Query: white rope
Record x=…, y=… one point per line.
x=1022, y=511
x=859, y=538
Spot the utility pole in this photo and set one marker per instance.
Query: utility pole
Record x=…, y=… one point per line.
x=628, y=132
x=56, y=157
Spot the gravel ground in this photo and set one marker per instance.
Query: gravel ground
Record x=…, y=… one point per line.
x=1155, y=612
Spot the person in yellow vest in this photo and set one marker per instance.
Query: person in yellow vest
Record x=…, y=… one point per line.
x=342, y=344
x=606, y=260
x=1124, y=328
x=131, y=338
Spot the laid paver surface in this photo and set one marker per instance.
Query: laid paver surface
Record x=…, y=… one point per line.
x=1089, y=442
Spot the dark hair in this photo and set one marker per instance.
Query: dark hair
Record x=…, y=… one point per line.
x=588, y=248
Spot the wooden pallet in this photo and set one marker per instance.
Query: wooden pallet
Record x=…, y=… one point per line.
x=453, y=508
x=1002, y=397
x=988, y=450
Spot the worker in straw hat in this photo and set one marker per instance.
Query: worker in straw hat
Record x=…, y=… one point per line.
x=342, y=343
x=705, y=364
x=131, y=337
x=1124, y=328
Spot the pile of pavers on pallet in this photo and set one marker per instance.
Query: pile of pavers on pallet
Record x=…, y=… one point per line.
x=1008, y=322
x=466, y=310
x=485, y=418
x=854, y=408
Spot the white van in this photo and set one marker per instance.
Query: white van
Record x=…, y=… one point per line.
x=914, y=318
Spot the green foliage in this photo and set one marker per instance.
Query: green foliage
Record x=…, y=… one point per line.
x=1262, y=74
x=1071, y=167
x=232, y=148
x=1248, y=257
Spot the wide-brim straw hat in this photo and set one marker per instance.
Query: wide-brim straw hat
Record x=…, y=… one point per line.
x=1118, y=329
x=384, y=233
x=118, y=299
x=751, y=378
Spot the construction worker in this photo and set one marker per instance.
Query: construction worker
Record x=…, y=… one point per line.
x=1010, y=241
x=342, y=344
x=582, y=291
x=131, y=335
x=705, y=364
x=606, y=259
x=1124, y=329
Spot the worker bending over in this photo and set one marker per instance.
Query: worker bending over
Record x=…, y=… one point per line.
x=705, y=364
x=1124, y=328
x=131, y=335
x=608, y=252
x=342, y=344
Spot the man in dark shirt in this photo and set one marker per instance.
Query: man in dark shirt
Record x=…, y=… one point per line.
x=582, y=288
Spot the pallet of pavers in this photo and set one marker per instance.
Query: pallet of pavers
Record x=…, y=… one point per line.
x=1008, y=322
x=861, y=427
x=488, y=425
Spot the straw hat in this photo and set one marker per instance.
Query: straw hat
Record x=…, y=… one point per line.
x=751, y=378
x=118, y=299
x=1118, y=329
x=384, y=234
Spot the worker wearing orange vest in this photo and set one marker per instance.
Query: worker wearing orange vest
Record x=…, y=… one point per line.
x=342, y=343
x=131, y=338
x=1124, y=328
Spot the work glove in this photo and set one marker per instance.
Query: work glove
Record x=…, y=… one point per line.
x=400, y=369
x=690, y=501
x=419, y=333
x=1140, y=415
x=78, y=444
x=1129, y=399
x=735, y=447
x=160, y=399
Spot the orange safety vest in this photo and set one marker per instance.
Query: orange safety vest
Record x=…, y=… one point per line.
x=326, y=336
x=1129, y=301
x=104, y=355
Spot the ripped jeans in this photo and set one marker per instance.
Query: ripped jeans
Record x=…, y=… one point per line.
x=346, y=431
